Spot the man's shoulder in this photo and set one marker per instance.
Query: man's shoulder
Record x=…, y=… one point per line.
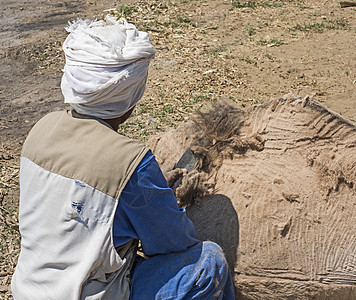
x=61, y=124
x=54, y=115
x=83, y=149
x=60, y=132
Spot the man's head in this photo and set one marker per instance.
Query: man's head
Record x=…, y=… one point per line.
x=106, y=67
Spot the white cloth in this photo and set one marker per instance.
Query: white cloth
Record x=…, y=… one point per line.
x=106, y=66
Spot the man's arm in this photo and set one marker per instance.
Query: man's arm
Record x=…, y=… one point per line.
x=148, y=211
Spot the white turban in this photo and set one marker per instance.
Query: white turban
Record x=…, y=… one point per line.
x=106, y=66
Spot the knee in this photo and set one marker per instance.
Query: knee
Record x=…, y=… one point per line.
x=214, y=249
x=213, y=252
x=211, y=246
x=214, y=275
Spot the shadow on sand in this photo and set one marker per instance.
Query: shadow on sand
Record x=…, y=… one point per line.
x=215, y=219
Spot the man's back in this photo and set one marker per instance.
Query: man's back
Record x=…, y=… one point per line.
x=73, y=170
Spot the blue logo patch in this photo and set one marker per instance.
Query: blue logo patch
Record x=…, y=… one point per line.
x=77, y=206
x=77, y=182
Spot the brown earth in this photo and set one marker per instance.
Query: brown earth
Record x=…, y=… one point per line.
x=244, y=51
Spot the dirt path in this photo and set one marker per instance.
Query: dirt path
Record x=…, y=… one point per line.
x=207, y=50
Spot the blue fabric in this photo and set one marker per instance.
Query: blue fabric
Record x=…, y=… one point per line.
x=180, y=266
x=200, y=272
x=148, y=211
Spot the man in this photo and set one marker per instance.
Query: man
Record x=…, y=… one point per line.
x=89, y=194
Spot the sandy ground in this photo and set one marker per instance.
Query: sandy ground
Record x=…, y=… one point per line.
x=246, y=52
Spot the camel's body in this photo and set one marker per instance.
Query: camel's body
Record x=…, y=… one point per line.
x=284, y=211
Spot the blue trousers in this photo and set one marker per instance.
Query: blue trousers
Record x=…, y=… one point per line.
x=200, y=272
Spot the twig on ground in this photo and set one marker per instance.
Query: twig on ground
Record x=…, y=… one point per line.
x=344, y=4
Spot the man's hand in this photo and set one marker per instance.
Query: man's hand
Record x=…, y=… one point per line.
x=172, y=174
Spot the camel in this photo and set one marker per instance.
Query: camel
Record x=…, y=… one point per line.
x=275, y=186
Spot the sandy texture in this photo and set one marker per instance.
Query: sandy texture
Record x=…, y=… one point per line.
x=292, y=229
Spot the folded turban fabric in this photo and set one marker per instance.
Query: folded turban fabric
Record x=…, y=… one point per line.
x=106, y=66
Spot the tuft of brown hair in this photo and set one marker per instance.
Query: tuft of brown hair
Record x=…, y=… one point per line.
x=219, y=138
